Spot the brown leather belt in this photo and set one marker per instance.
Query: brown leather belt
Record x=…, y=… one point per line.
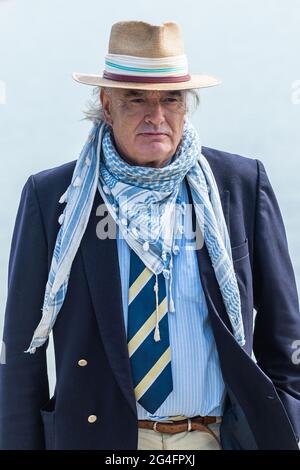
x=189, y=424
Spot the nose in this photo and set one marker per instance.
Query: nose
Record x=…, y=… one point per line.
x=155, y=115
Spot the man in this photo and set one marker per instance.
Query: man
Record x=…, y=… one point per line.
x=153, y=331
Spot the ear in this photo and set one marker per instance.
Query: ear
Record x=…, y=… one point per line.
x=106, y=105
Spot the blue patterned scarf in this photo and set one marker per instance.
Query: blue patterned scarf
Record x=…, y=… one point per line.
x=142, y=201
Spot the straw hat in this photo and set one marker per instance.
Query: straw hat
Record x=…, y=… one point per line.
x=146, y=56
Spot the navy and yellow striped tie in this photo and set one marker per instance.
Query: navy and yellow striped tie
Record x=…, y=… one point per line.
x=150, y=358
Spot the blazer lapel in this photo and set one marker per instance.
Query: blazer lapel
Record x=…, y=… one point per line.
x=100, y=257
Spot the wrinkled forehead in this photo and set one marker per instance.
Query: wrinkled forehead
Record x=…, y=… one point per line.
x=124, y=93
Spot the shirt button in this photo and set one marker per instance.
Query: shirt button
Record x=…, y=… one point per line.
x=92, y=418
x=82, y=362
x=106, y=189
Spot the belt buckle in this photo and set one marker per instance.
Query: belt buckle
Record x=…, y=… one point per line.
x=154, y=426
x=161, y=422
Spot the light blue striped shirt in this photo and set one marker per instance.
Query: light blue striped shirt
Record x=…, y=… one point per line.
x=198, y=387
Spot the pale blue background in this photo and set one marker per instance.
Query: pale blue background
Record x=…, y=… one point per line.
x=253, y=46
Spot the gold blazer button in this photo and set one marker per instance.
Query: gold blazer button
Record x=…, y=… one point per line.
x=92, y=418
x=82, y=362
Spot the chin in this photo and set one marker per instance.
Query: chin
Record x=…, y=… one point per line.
x=157, y=150
x=157, y=161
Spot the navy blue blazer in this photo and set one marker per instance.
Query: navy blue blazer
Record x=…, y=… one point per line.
x=262, y=408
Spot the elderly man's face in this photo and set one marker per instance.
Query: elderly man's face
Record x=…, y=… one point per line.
x=147, y=125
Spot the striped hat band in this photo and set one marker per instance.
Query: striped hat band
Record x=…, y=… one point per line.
x=121, y=67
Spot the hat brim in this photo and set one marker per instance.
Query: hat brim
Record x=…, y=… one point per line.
x=196, y=81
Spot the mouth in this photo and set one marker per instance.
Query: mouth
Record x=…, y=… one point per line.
x=153, y=134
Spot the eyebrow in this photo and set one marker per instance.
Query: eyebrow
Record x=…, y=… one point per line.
x=141, y=93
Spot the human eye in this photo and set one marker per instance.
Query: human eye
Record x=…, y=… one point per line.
x=137, y=100
x=171, y=99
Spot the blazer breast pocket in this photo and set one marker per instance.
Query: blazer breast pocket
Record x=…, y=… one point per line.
x=240, y=251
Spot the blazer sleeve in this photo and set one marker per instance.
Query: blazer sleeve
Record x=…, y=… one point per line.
x=277, y=322
x=23, y=376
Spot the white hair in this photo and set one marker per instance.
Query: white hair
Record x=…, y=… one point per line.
x=94, y=111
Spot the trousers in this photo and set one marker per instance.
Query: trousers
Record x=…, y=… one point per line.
x=149, y=439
